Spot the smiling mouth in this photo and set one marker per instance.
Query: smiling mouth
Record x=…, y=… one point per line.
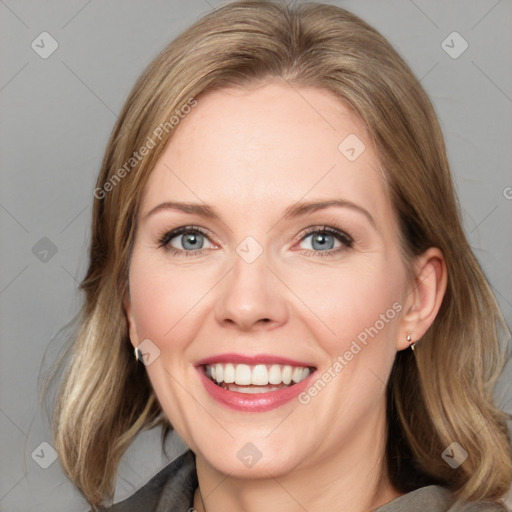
x=259, y=378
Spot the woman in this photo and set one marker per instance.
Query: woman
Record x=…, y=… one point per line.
x=276, y=238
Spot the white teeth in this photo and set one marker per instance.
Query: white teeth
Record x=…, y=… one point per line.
x=297, y=374
x=274, y=375
x=287, y=374
x=257, y=375
x=252, y=390
x=242, y=374
x=219, y=372
x=229, y=373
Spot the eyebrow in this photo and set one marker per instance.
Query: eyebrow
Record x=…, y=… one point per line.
x=295, y=210
x=299, y=209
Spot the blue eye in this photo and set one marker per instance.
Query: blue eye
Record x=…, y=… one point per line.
x=322, y=241
x=184, y=239
x=191, y=240
x=326, y=241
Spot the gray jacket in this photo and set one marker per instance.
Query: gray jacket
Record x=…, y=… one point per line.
x=172, y=490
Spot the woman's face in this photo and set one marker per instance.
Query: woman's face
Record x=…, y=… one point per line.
x=268, y=280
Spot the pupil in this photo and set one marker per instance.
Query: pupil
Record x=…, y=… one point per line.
x=191, y=240
x=321, y=239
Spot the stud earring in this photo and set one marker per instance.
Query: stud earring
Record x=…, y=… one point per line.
x=411, y=343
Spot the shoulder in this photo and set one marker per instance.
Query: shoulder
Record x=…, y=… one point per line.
x=435, y=498
x=170, y=489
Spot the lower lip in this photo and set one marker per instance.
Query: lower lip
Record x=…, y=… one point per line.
x=258, y=402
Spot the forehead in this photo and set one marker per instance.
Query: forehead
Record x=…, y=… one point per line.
x=263, y=147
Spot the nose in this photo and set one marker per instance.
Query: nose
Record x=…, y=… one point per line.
x=251, y=297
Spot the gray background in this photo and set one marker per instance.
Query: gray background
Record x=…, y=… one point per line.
x=56, y=116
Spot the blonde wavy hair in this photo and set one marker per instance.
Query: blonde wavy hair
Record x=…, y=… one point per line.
x=441, y=393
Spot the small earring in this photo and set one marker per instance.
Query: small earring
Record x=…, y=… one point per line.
x=138, y=354
x=411, y=343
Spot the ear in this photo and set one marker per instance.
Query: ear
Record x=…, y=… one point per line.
x=425, y=296
x=130, y=319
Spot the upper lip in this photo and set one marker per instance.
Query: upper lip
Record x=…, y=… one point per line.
x=252, y=360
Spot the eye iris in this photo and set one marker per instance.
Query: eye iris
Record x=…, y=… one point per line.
x=191, y=240
x=320, y=238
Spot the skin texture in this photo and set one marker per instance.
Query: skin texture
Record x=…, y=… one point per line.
x=251, y=153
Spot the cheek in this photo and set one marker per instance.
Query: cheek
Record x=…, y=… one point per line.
x=163, y=297
x=360, y=302
x=165, y=305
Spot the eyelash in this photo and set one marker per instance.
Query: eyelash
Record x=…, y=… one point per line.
x=346, y=240
x=169, y=235
x=343, y=237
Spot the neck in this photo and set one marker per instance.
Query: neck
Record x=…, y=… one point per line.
x=351, y=478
